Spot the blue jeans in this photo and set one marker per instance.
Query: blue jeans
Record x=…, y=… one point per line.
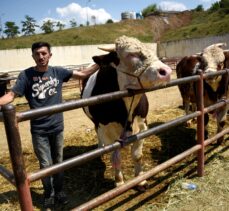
x=49, y=150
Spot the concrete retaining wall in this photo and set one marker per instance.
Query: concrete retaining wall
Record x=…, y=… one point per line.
x=19, y=59
x=188, y=47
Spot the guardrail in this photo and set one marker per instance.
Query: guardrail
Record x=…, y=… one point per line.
x=21, y=179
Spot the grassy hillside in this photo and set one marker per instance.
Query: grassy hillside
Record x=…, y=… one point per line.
x=201, y=24
x=100, y=34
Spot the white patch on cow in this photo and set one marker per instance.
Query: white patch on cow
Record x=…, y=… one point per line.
x=88, y=90
x=213, y=56
x=131, y=103
x=107, y=134
x=196, y=68
x=139, y=66
x=138, y=124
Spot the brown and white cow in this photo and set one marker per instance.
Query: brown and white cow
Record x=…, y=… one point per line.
x=130, y=65
x=212, y=59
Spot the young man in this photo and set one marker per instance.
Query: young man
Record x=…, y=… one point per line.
x=42, y=86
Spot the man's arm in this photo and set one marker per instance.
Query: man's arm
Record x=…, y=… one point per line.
x=7, y=98
x=85, y=72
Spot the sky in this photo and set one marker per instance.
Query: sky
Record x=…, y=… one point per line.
x=82, y=10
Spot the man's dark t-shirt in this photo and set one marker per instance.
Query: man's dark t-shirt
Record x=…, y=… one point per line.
x=43, y=89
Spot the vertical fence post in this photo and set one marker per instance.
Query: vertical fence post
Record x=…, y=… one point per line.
x=200, y=123
x=16, y=155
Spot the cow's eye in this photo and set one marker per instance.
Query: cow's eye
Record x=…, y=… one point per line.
x=133, y=55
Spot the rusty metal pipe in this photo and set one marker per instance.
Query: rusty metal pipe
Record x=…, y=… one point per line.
x=217, y=136
x=215, y=106
x=200, y=124
x=74, y=104
x=100, y=151
x=16, y=155
x=135, y=181
x=35, y=113
x=7, y=174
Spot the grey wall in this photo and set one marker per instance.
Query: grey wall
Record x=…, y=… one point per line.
x=188, y=47
x=19, y=59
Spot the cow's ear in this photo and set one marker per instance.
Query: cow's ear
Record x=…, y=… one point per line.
x=97, y=59
x=114, y=58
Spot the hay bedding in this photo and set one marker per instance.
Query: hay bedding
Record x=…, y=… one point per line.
x=84, y=182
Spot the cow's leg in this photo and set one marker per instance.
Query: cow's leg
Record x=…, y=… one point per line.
x=136, y=150
x=186, y=104
x=107, y=134
x=221, y=119
x=116, y=164
x=194, y=109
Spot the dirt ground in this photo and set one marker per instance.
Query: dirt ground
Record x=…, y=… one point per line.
x=82, y=183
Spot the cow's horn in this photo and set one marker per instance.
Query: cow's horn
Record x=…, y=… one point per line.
x=220, y=45
x=107, y=49
x=198, y=54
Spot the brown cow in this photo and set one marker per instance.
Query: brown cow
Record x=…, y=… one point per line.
x=212, y=59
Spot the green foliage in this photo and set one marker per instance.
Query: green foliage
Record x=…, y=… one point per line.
x=151, y=8
x=203, y=24
x=28, y=26
x=60, y=25
x=73, y=23
x=110, y=21
x=215, y=7
x=221, y=6
x=11, y=30
x=48, y=27
x=99, y=34
x=199, y=8
x=224, y=4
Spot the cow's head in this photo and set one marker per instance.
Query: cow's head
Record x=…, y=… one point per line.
x=139, y=66
x=213, y=59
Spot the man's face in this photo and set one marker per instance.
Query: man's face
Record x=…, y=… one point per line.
x=41, y=56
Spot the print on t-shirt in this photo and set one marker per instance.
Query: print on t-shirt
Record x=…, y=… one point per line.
x=43, y=85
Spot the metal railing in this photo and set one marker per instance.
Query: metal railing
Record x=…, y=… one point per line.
x=21, y=179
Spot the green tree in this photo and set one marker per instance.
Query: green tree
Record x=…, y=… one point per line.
x=110, y=21
x=11, y=30
x=73, y=23
x=224, y=4
x=151, y=8
x=28, y=26
x=48, y=26
x=214, y=7
x=199, y=8
x=60, y=25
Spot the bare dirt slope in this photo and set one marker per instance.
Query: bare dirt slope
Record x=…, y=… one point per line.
x=168, y=21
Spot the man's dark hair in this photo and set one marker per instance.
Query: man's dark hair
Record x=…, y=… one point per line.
x=40, y=44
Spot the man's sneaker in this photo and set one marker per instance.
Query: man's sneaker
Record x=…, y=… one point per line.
x=61, y=197
x=49, y=202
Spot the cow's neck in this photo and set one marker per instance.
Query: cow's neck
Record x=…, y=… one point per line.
x=131, y=103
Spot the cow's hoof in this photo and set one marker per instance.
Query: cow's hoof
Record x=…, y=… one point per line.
x=142, y=188
x=119, y=183
x=188, y=123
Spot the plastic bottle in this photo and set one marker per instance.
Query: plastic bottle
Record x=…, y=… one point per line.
x=188, y=186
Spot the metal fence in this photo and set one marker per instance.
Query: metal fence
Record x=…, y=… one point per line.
x=21, y=179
